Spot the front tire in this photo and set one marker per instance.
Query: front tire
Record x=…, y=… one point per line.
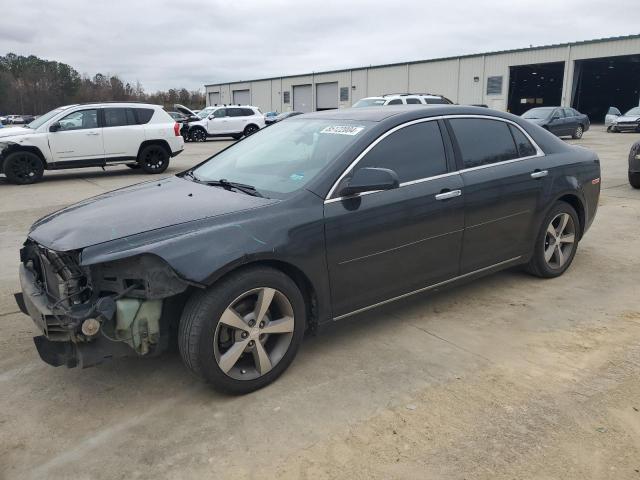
x=556, y=243
x=198, y=135
x=634, y=179
x=153, y=159
x=23, y=168
x=243, y=332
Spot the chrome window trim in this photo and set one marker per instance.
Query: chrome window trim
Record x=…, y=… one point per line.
x=427, y=288
x=539, y=153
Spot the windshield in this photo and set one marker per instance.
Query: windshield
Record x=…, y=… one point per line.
x=369, y=102
x=284, y=157
x=539, y=113
x=633, y=111
x=204, y=113
x=38, y=122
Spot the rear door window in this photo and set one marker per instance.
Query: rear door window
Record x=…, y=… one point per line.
x=413, y=101
x=247, y=112
x=413, y=152
x=235, y=112
x=118, y=117
x=483, y=142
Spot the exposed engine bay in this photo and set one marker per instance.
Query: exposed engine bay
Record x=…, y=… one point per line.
x=91, y=313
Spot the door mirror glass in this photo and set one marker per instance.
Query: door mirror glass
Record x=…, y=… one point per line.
x=370, y=179
x=55, y=126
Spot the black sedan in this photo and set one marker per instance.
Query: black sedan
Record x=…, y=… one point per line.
x=282, y=116
x=309, y=221
x=560, y=121
x=634, y=165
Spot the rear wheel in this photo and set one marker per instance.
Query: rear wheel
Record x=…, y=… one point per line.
x=250, y=130
x=578, y=132
x=242, y=333
x=23, y=168
x=153, y=159
x=634, y=179
x=556, y=243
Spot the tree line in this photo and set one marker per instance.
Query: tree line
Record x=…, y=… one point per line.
x=33, y=86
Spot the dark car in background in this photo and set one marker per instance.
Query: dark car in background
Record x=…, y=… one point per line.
x=280, y=117
x=561, y=121
x=311, y=220
x=634, y=165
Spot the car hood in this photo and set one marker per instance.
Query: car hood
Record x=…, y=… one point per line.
x=136, y=209
x=184, y=110
x=14, y=132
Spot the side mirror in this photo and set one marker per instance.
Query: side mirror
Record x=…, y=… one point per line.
x=54, y=127
x=210, y=117
x=554, y=118
x=369, y=179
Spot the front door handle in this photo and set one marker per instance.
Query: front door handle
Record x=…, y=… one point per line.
x=448, y=195
x=540, y=173
x=93, y=133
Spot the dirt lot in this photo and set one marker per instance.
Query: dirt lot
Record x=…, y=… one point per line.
x=510, y=377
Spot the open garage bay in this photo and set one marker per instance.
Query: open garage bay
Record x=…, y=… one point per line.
x=508, y=377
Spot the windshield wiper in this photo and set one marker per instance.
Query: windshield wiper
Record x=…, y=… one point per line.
x=192, y=176
x=224, y=183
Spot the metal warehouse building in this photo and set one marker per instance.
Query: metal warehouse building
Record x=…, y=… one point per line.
x=590, y=76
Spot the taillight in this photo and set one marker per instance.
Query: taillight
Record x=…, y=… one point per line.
x=176, y=129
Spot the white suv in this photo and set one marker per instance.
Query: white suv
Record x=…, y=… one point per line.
x=403, y=99
x=224, y=121
x=90, y=135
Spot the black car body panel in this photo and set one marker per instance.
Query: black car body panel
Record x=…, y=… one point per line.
x=346, y=254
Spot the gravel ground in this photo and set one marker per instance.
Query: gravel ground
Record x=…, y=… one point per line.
x=508, y=377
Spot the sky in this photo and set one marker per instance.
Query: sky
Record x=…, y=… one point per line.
x=189, y=43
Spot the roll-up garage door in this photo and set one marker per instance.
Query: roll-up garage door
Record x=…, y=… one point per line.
x=214, y=98
x=241, y=97
x=302, y=98
x=327, y=96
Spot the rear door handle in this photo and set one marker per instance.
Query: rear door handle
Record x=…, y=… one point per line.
x=540, y=173
x=448, y=195
x=93, y=133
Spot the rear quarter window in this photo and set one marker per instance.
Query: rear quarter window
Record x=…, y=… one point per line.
x=144, y=115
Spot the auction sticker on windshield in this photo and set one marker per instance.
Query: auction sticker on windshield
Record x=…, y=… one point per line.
x=342, y=130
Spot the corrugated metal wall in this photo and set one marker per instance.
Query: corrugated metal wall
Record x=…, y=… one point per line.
x=463, y=80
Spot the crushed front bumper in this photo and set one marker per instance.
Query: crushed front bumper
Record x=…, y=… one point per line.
x=56, y=346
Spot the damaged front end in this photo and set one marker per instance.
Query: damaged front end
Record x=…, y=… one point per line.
x=90, y=313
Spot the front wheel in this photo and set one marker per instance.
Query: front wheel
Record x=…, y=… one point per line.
x=23, y=168
x=556, y=243
x=634, y=179
x=578, y=132
x=198, y=135
x=242, y=333
x=153, y=159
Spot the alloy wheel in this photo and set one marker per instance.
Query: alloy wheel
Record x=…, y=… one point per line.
x=25, y=168
x=154, y=159
x=198, y=135
x=254, y=333
x=559, y=240
x=579, y=131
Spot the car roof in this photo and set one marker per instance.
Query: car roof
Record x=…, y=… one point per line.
x=116, y=104
x=402, y=112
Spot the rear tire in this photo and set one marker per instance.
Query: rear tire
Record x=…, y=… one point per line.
x=634, y=179
x=153, y=159
x=556, y=242
x=578, y=132
x=207, y=338
x=250, y=130
x=23, y=168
